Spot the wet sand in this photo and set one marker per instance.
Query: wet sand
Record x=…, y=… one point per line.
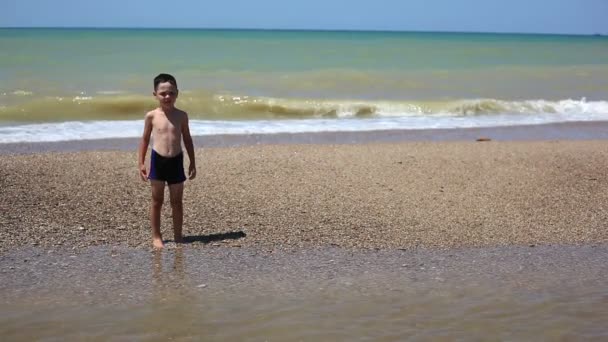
x=544, y=132
x=373, y=195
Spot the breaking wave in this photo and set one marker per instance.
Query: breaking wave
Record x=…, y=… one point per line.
x=232, y=107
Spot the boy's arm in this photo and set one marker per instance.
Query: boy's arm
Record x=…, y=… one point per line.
x=189, y=148
x=143, y=146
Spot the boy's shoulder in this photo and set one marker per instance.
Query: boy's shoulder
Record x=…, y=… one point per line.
x=181, y=112
x=175, y=113
x=180, y=115
x=152, y=113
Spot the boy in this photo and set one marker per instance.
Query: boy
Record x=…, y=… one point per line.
x=168, y=125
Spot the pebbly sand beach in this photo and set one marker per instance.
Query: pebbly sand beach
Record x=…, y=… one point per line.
x=388, y=238
x=373, y=195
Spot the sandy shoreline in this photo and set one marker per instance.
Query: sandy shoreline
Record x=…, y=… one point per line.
x=543, y=132
x=388, y=196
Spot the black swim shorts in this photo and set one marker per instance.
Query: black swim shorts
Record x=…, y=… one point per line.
x=167, y=169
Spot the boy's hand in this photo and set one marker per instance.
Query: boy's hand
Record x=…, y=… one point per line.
x=143, y=173
x=192, y=172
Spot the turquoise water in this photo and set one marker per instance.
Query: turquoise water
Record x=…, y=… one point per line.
x=298, y=80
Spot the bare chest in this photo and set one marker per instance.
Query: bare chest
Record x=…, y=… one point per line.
x=164, y=126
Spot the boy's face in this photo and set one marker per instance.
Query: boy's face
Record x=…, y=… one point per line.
x=166, y=94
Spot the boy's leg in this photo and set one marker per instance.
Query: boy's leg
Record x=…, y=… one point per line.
x=176, y=194
x=158, y=195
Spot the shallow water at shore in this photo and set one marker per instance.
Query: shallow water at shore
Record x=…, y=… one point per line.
x=189, y=293
x=543, y=132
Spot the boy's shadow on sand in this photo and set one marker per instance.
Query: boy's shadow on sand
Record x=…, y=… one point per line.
x=215, y=237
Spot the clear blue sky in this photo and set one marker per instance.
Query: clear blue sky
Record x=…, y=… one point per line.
x=538, y=16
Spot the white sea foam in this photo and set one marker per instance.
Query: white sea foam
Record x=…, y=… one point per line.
x=110, y=92
x=22, y=93
x=84, y=130
x=349, y=116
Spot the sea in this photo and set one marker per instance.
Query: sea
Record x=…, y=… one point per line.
x=60, y=84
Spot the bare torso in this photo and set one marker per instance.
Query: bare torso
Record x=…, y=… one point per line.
x=167, y=132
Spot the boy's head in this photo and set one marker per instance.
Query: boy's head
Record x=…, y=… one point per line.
x=163, y=78
x=165, y=89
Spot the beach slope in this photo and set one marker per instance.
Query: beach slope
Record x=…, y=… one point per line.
x=391, y=195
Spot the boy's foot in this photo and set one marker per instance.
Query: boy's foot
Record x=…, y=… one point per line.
x=158, y=243
x=179, y=239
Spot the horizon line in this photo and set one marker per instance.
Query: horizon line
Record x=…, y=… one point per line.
x=596, y=34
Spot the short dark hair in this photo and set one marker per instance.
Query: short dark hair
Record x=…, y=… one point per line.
x=162, y=78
